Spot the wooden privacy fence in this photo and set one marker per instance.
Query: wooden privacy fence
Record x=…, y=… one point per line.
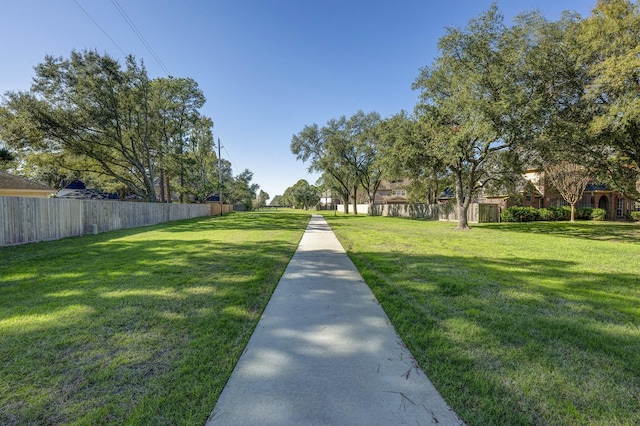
x=477, y=213
x=218, y=209
x=25, y=220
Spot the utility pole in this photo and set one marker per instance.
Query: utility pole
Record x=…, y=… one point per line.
x=220, y=175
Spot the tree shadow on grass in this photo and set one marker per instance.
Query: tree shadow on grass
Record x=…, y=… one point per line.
x=128, y=331
x=509, y=339
x=604, y=231
x=263, y=221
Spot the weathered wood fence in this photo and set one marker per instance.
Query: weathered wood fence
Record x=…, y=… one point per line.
x=26, y=220
x=477, y=213
x=218, y=209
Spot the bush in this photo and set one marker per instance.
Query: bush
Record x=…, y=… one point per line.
x=546, y=214
x=589, y=213
x=598, y=214
x=584, y=213
x=560, y=213
x=507, y=215
x=530, y=214
x=520, y=214
x=634, y=216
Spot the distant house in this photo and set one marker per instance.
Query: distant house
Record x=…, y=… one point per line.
x=327, y=201
x=540, y=194
x=14, y=186
x=393, y=191
x=446, y=196
x=76, y=190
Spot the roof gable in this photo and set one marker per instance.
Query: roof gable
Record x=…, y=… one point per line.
x=8, y=181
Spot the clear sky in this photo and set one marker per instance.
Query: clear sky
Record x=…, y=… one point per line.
x=266, y=67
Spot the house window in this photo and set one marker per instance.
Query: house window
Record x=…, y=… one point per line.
x=399, y=193
x=620, y=207
x=585, y=201
x=636, y=206
x=561, y=202
x=529, y=195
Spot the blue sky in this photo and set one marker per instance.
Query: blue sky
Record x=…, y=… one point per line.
x=267, y=67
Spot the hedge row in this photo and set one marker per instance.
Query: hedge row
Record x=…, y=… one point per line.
x=530, y=214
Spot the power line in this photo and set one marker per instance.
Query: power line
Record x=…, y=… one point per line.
x=228, y=155
x=98, y=25
x=139, y=34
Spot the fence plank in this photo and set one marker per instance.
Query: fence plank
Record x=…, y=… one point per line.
x=477, y=213
x=25, y=220
x=489, y=213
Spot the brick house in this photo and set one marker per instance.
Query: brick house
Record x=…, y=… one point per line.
x=532, y=192
x=392, y=191
x=537, y=193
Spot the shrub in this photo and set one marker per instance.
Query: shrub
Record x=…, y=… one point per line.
x=546, y=214
x=519, y=214
x=634, y=216
x=598, y=214
x=530, y=214
x=559, y=213
x=584, y=212
x=589, y=213
x=507, y=215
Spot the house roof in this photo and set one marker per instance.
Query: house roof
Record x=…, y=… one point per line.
x=87, y=194
x=76, y=184
x=447, y=193
x=8, y=181
x=597, y=187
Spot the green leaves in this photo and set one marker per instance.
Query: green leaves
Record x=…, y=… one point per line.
x=302, y=195
x=471, y=99
x=346, y=150
x=113, y=125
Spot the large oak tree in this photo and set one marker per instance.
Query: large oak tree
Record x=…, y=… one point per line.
x=89, y=107
x=475, y=101
x=112, y=126
x=346, y=151
x=609, y=49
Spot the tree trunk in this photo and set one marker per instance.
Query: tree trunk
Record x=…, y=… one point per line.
x=163, y=198
x=372, y=206
x=168, y=185
x=355, y=200
x=462, y=203
x=151, y=190
x=573, y=212
x=462, y=209
x=181, y=184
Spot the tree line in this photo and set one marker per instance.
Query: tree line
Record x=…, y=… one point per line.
x=88, y=117
x=497, y=100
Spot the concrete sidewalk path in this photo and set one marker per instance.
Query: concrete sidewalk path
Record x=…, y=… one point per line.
x=324, y=353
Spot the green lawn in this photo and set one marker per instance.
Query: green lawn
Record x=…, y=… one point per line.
x=140, y=326
x=533, y=323
x=514, y=323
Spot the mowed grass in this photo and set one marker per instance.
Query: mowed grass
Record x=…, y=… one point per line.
x=140, y=326
x=516, y=324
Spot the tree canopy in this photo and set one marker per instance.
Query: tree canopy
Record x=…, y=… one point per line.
x=498, y=100
x=474, y=102
x=609, y=46
x=302, y=195
x=88, y=117
x=346, y=151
